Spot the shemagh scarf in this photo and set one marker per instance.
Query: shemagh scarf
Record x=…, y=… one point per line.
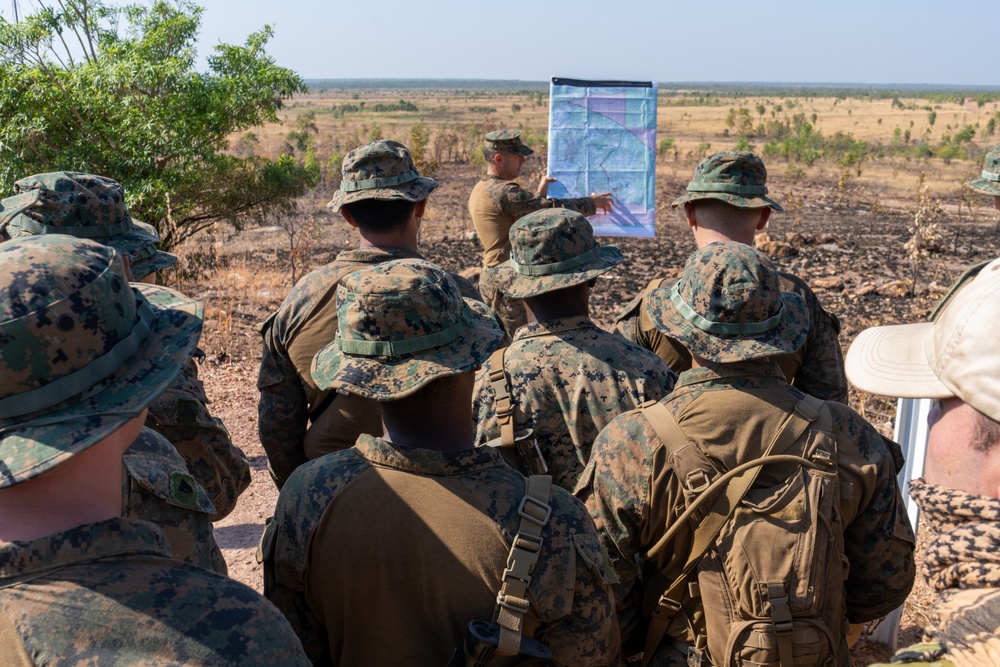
x=965, y=549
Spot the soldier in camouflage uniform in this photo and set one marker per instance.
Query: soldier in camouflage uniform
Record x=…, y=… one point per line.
x=568, y=376
x=497, y=201
x=727, y=201
x=428, y=517
x=84, y=355
x=955, y=360
x=183, y=438
x=729, y=311
x=384, y=197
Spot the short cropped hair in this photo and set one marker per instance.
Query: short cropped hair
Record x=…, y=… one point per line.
x=986, y=434
x=490, y=153
x=380, y=215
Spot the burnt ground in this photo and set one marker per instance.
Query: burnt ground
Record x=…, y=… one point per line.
x=853, y=255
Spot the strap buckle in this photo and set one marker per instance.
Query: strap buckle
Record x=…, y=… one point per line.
x=534, y=510
x=514, y=604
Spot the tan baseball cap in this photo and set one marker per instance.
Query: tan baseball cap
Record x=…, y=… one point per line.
x=958, y=354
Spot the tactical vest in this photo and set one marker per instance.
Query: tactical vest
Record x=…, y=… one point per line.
x=766, y=566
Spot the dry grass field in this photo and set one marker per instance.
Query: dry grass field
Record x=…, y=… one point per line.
x=847, y=228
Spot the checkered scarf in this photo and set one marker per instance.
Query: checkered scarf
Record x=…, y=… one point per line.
x=965, y=549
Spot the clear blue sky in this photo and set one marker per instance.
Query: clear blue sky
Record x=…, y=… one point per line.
x=870, y=41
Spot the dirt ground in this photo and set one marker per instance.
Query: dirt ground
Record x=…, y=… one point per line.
x=850, y=248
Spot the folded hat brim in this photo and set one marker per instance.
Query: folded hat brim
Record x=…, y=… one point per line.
x=985, y=187
x=893, y=361
x=34, y=444
x=158, y=262
x=518, y=286
x=788, y=336
x=414, y=190
x=733, y=200
x=391, y=378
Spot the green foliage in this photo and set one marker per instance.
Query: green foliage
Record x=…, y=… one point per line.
x=931, y=117
x=666, y=145
x=743, y=144
x=740, y=121
x=483, y=109
x=129, y=104
x=419, y=138
x=514, y=108
x=401, y=105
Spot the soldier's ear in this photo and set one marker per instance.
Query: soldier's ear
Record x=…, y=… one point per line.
x=765, y=215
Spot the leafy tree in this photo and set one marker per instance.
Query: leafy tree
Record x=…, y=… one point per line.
x=127, y=103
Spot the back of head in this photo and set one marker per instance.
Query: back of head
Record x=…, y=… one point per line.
x=737, y=178
x=86, y=206
x=84, y=352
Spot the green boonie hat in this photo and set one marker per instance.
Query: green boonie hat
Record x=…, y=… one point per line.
x=380, y=170
x=552, y=249
x=83, y=351
x=402, y=324
x=507, y=140
x=728, y=306
x=736, y=177
x=989, y=181
x=86, y=206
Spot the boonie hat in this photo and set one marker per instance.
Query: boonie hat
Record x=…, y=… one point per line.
x=989, y=180
x=958, y=354
x=86, y=206
x=380, y=170
x=552, y=249
x=728, y=306
x=506, y=140
x=400, y=325
x=738, y=178
x=84, y=351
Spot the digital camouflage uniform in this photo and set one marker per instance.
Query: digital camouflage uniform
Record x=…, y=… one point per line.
x=988, y=182
x=84, y=354
x=495, y=204
x=568, y=376
x=739, y=178
x=962, y=565
x=730, y=409
x=429, y=530
x=298, y=422
x=109, y=593
x=90, y=206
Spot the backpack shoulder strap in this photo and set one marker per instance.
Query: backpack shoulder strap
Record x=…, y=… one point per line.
x=527, y=448
x=735, y=485
x=12, y=651
x=512, y=601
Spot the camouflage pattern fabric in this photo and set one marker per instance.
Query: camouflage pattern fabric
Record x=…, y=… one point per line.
x=569, y=379
x=988, y=182
x=816, y=368
x=94, y=353
x=455, y=518
x=728, y=306
x=158, y=488
x=732, y=411
x=109, y=593
x=506, y=140
x=402, y=324
x=305, y=322
x=510, y=311
x=495, y=204
x=85, y=206
x=181, y=416
x=552, y=249
x=931, y=654
x=736, y=177
x=380, y=170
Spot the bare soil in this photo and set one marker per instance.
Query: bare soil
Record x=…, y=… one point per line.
x=841, y=238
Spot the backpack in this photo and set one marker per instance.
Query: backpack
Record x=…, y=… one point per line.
x=767, y=561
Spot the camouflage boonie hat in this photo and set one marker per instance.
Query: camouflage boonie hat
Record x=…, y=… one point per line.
x=552, y=249
x=988, y=182
x=86, y=206
x=728, y=306
x=736, y=177
x=402, y=324
x=83, y=350
x=380, y=170
x=508, y=141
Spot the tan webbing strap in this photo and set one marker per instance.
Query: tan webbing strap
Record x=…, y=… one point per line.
x=512, y=601
x=781, y=618
x=743, y=476
x=501, y=397
x=12, y=651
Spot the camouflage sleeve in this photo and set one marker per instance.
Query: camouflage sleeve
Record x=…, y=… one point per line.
x=181, y=416
x=468, y=290
x=484, y=407
x=822, y=371
x=878, y=542
x=627, y=324
x=282, y=409
x=517, y=202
